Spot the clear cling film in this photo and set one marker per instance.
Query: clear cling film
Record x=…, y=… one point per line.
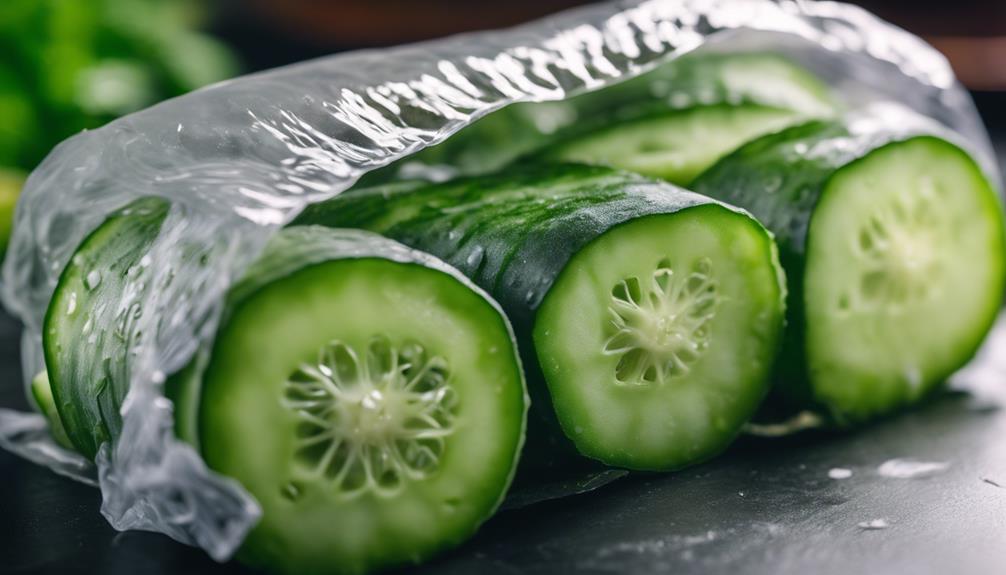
x=240, y=159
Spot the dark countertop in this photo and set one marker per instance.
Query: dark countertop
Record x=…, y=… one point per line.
x=765, y=507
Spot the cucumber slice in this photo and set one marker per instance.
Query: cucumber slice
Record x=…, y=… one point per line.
x=770, y=90
x=41, y=392
x=648, y=316
x=88, y=326
x=368, y=396
x=895, y=252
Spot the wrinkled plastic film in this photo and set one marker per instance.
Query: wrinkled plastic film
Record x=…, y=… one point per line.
x=241, y=158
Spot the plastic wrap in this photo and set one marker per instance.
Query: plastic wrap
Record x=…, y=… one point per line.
x=241, y=158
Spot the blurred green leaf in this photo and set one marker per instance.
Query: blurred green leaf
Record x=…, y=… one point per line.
x=71, y=65
x=10, y=188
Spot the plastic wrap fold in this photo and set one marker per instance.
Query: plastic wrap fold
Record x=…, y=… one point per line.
x=241, y=158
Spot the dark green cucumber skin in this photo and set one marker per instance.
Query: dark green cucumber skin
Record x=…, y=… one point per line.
x=513, y=245
x=780, y=178
x=90, y=380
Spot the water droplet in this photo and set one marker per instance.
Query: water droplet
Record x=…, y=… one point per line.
x=874, y=524
x=904, y=468
x=93, y=279
x=529, y=296
x=291, y=491
x=913, y=377
x=451, y=504
x=801, y=148
x=475, y=258
x=772, y=184
x=839, y=473
x=71, y=306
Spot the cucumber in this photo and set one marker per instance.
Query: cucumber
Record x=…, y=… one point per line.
x=701, y=108
x=894, y=250
x=368, y=396
x=41, y=392
x=88, y=330
x=648, y=317
x=674, y=145
x=670, y=123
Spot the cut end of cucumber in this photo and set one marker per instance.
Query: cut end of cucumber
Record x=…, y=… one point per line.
x=660, y=327
x=375, y=408
x=657, y=339
x=372, y=422
x=904, y=276
x=41, y=392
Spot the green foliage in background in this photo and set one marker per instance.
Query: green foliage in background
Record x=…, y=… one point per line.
x=70, y=65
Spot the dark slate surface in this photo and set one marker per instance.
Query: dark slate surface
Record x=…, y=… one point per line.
x=765, y=507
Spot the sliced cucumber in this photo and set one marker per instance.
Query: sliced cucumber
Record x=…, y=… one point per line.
x=41, y=392
x=368, y=396
x=88, y=329
x=652, y=313
x=895, y=252
x=768, y=90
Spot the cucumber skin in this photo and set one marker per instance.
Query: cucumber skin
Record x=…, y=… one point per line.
x=88, y=393
x=514, y=248
x=780, y=178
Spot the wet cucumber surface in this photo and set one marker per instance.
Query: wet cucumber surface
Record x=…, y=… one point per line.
x=894, y=250
x=652, y=313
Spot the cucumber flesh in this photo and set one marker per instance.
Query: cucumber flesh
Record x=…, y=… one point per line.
x=648, y=316
x=657, y=338
x=894, y=248
x=905, y=275
x=41, y=392
x=675, y=146
x=373, y=404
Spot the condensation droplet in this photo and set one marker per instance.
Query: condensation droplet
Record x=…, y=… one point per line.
x=839, y=473
x=291, y=491
x=874, y=524
x=92, y=280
